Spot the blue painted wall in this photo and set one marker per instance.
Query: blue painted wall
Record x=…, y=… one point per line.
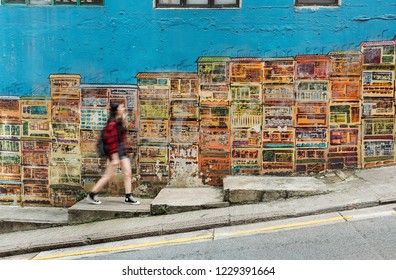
x=111, y=44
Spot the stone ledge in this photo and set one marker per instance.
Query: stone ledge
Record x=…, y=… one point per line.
x=111, y=208
x=177, y=200
x=243, y=189
x=8, y=226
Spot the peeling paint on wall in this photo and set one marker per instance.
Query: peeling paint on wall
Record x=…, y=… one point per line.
x=383, y=17
x=112, y=43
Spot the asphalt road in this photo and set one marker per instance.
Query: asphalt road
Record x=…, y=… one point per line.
x=365, y=234
x=369, y=239
x=277, y=246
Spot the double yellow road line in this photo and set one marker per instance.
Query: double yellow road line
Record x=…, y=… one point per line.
x=302, y=224
x=127, y=247
x=187, y=240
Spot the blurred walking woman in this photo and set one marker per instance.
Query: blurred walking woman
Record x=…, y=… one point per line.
x=115, y=138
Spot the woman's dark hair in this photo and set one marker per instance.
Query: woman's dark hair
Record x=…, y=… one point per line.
x=113, y=111
x=113, y=118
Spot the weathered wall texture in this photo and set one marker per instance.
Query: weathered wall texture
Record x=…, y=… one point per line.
x=257, y=90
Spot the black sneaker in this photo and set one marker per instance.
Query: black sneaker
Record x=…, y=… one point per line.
x=93, y=200
x=131, y=200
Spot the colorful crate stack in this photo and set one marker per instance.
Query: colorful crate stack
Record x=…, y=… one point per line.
x=183, y=128
x=127, y=95
x=246, y=111
x=94, y=107
x=378, y=113
x=36, y=149
x=153, y=104
x=11, y=186
x=215, y=125
x=65, y=162
x=345, y=107
x=278, y=133
x=312, y=107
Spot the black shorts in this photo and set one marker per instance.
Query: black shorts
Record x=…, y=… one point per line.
x=121, y=151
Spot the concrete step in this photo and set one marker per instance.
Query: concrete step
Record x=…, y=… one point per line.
x=254, y=189
x=17, y=218
x=177, y=200
x=111, y=208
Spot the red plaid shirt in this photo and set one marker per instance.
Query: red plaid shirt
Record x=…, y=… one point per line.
x=112, y=137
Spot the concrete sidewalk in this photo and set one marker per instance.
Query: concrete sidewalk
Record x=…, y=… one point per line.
x=337, y=191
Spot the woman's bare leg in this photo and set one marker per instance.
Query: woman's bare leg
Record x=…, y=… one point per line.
x=127, y=172
x=109, y=173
